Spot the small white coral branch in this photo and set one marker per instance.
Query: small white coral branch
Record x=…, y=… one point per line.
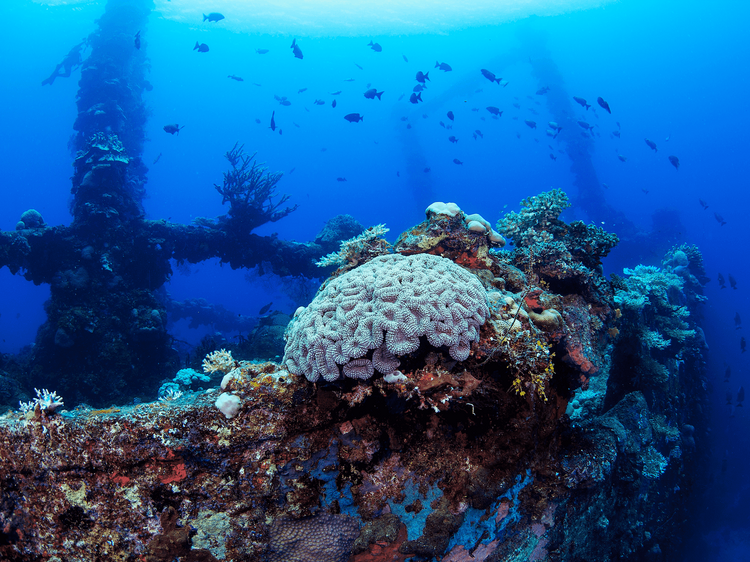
x=349, y=248
x=47, y=401
x=221, y=360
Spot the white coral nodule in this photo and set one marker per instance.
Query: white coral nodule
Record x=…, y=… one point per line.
x=365, y=319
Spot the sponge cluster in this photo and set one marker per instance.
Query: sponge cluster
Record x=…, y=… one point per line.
x=365, y=319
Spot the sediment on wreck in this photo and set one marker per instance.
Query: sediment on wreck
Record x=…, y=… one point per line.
x=529, y=448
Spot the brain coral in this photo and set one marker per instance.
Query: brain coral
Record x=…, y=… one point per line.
x=363, y=320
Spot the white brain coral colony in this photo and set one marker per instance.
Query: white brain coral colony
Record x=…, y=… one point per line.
x=365, y=319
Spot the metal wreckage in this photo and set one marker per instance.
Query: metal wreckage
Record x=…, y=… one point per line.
x=439, y=399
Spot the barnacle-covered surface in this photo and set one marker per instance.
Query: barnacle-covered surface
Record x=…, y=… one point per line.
x=537, y=446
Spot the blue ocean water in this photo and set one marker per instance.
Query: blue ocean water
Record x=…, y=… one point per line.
x=673, y=72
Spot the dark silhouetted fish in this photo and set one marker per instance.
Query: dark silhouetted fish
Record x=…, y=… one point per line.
x=450, y=115
x=422, y=76
x=301, y=90
x=727, y=373
x=401, y=97
x=415, y=98
x=490, y=76
x=622, y=158
x=553, y=157
x=213, y=16
x=156, y=159
x=477, y=131
x=517, y=105
x=273, y=121
x=732, y=281
x=295, y=124
x=530, y=123
x=444, y=66
x=584, y=125
x=340, y=179
x=138, y=40
x=457, y=161
x=651, y=144
x=543, y=90
x=722, y=284
x=296, y=50
x=603, y=104
x=257, y=121
x=261, y=51
x=418, y=88
x=675, y=162
x=408, y=125
x=616, y=133
x=582, y=102
x=353, y=117
x=355, y=64
x=494, y=110
x=319, y=102
x=372, y=93
x=737, y=321
x=453, y=139
x=200, y=47
x=285, y=103
x=172, y=129
x=265, y=308
x=703, y=204
x=740, y=396
x=605, y=186
x=441, y=124
x=375, y=47
x=335, y=93
x=743, y=344
x=426, y=170
x=333, y=103
x=349, y=80
x=404, y=118
x=405, y=59
x=237, y=78
x=554, y=126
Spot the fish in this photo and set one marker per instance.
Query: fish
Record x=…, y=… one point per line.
x=616, y=133
x=618, y=125
x=372, y=93
x=551, y=133
x=172, y=129
x=335, y=93
x=581, y=102
x=605, y=186
x=732, y=281
x=292, y=171
x=450, y=115
x=553, y=157
x=200, y=47
x=743, y=344
x=273, y=121
x=651, y=144
x=265, y=308
x=236, y=78
x=156, y=159
x=740, y=396
x=494, y=110
x=257, y=121
x=401, y=97
x=319, y=102
x=137, y=40
x=554, y=125
x=490, y=76
x=295, y=124
x=530, y=123
x=261, y=51
x=675, y=162
x=213, y=16
x=354, y=117
x=426, y=170
x=444, y=66
x=296, y=50
x=355, y=64
x=477, y=131
x=729, y=398
x=408, y=125
x=285, y=103
x=457, y=161
x=349, y=80
x=333, y=103
x=301, y=90
x=278, y=98
x=504, y=83
x=474, y=135
x=722, y=285
x=727, y=373
x=585, y=125
x=256, y=84
x=404, y=118
x=340, y=179
x=737, y=321
x=703, y=204
x=375, y=47
x=441, y=124
x=418, y=88
x=415, y=98
x=398, y=174
x=543, y=90
x=622, y=158
x=405, y=59
x=422, y=76
x=603, y=104
x=453, y=139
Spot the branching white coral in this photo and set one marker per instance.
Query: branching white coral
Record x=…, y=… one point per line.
x=221, y=360
x=47, y=401
x=349, y=248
